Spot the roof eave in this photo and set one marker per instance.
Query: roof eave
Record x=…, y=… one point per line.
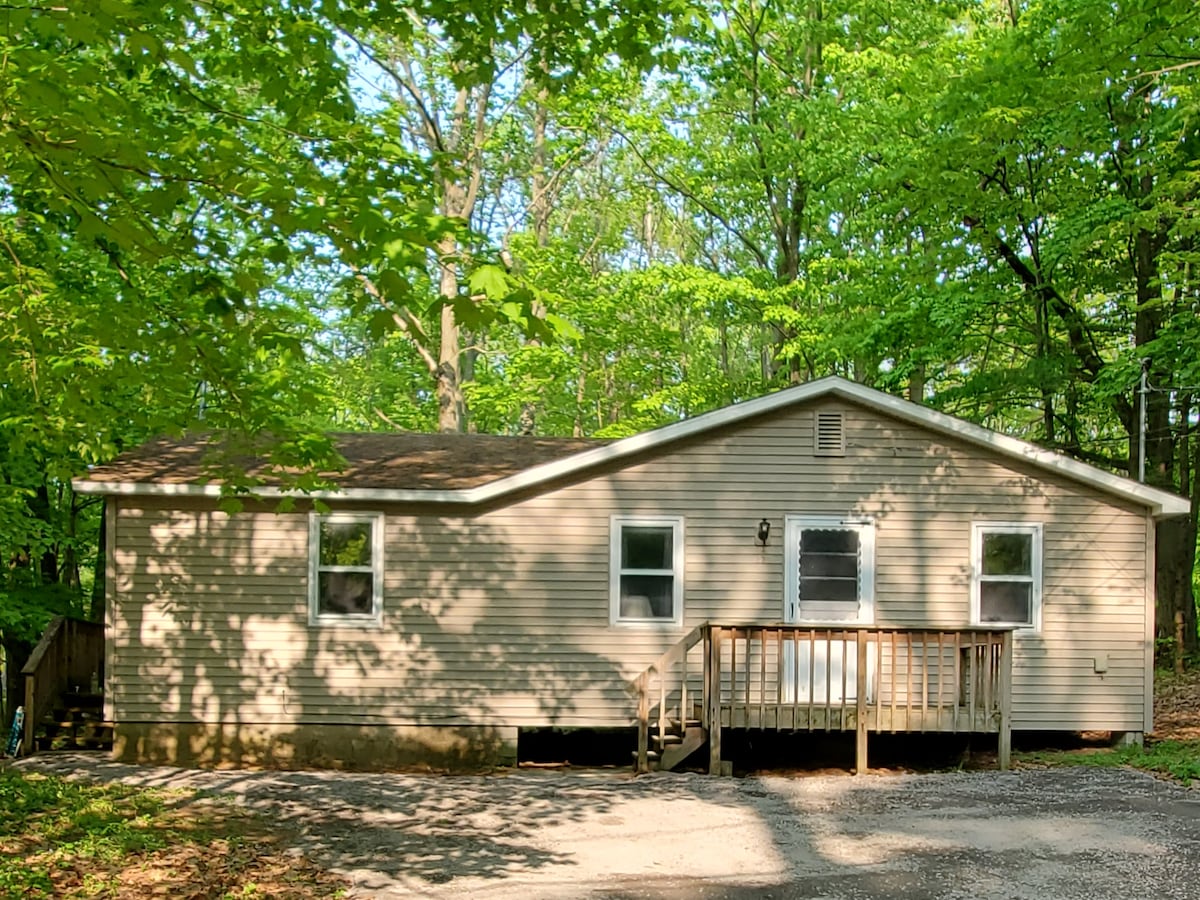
x=1160, y=503
x=164, y=489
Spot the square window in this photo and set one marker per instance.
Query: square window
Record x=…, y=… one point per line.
x=345, y=568
x=646, y=561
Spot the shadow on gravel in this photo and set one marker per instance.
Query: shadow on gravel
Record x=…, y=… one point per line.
x=403, y=827
x=1067, y=834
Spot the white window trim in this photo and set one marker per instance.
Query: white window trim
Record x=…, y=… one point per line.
x=616, y=523
x=865, y=527
x=1034, y=530
x=359, y=620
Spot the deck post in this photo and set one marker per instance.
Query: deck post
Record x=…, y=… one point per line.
x=714, y=700
x=643, y=748
x=1005, y=686
x=860, y=700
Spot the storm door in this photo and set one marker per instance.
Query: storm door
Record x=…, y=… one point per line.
x=829, y=583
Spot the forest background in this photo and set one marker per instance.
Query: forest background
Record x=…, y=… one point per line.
x=273, y=219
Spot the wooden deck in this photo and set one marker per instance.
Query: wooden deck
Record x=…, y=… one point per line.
x=799, y=678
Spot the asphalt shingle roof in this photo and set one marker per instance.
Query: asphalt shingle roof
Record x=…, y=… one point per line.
x=380, y=461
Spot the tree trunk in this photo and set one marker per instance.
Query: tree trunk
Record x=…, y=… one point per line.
x=448, y=379
x=1175, y=541
x=96, y=610
x=916, y=383
x=580, y=394
x=16, y=654
x=539, y=208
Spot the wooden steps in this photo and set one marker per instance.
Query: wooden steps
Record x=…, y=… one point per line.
x=76, y=722
x=678, y=747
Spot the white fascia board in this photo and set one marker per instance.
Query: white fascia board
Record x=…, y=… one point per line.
x=156, y=489
x=1161, y=503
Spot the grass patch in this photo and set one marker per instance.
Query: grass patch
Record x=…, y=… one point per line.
x=1177, y=760
x=62, y=838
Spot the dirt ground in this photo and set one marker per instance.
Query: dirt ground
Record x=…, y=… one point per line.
x=1177, y=706
x=1024, y=835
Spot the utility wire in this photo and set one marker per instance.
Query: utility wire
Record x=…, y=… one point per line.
x=1181, y=389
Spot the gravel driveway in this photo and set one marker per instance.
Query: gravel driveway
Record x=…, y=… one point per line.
x=1055, y=834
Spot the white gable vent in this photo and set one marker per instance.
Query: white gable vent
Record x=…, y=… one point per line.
x=829, y=438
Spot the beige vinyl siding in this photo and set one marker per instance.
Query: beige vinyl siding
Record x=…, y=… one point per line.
x=502, y=617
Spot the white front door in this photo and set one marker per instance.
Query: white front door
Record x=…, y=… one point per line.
x=830, y=581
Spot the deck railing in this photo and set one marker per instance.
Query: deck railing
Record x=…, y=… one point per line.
x=861, y=679
x=69, y=655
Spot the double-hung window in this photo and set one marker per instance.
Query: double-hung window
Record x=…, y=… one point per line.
x=646, y=566
x=345, y=583
x=1006, y=574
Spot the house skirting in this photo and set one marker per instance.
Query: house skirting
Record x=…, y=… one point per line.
x=290, y=746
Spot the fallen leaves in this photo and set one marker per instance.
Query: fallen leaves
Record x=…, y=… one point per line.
x=200, y=848
x=1177, y=705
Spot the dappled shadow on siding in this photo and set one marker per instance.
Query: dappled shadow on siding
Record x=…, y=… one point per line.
x=213, y=631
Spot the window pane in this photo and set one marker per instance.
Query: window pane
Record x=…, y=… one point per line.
x=828, y=564
x=1007, y=554
x=345, y=543
x=829, y=540
x=1006, y=601
x=831, y=590
x=646, y=547
x=647, y=596
x=342, y=593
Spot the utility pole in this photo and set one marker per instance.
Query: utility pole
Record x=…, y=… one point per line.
x=1142, y=391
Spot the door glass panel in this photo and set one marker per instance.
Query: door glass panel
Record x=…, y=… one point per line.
x=828, y=590
x=829, y=540
x=817, y=565
x=829, y=561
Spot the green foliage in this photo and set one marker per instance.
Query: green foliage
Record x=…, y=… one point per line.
x=73, y=820
x=272, y=219
x=26, y=610
x=1177, y=760
x=62, y=837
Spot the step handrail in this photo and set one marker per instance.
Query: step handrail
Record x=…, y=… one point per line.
x=677, y=653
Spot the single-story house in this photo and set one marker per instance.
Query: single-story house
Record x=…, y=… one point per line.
x=726, y=571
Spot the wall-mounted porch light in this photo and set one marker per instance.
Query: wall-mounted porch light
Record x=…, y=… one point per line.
x=764, y=532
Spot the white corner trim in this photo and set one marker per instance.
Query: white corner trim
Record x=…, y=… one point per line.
x=1161, y=503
